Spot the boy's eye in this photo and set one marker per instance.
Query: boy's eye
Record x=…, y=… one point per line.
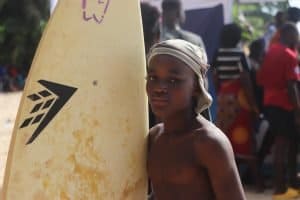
x=151, y=78
x=174, y=80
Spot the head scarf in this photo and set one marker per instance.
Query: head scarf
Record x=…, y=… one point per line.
x=193, y=56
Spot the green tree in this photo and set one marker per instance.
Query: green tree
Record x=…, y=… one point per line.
x=255, y=17
x=21, y=26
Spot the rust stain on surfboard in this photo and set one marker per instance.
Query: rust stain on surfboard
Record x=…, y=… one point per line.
x=131, y=188
x=87, y=164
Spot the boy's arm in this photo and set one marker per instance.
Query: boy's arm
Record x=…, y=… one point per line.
x=214, y=152
x=153, y=133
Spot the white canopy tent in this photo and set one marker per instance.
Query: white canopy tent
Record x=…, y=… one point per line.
x=294, y=3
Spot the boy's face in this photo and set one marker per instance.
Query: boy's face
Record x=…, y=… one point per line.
x=170, y=86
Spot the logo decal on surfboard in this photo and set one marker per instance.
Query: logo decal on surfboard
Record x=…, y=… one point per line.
x=97, y=15
x=47, y=104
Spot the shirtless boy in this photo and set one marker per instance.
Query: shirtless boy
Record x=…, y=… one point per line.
x=188, y=158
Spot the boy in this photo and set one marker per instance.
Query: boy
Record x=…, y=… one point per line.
x=188, y=157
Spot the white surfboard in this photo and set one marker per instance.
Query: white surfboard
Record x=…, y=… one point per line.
x=80, y=131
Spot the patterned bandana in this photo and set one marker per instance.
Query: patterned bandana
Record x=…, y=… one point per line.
x=193, y=56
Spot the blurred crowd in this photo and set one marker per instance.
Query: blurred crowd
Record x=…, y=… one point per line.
x=11, y=79
x=257, y=93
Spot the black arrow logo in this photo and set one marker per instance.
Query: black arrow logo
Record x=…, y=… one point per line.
x=63, y=94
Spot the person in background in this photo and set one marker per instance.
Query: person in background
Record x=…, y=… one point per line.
x=151, y=25
x=236, y=103
x=172, y=18
x=257, y=53
x=292, y=15
x=264, y=138
x=151, y=29
x=271, y=34
x=278, y=76
x=255, y=58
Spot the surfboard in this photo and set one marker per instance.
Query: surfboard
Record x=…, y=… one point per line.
x=81, y=128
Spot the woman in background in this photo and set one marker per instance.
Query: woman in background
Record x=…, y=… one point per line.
x=237, y=107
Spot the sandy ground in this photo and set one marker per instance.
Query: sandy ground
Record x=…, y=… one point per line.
x=9, y=104
x=8, y=109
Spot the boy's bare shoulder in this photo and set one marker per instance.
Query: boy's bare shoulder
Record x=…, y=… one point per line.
x=155, y=132
x=210, y=141
x=209, y=134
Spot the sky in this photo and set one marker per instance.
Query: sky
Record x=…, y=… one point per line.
x=52, y=5
x=295, y=3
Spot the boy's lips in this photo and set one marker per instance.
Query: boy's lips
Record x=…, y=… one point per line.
x=159, y=101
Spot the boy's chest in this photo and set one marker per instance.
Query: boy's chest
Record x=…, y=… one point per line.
x=172, y=162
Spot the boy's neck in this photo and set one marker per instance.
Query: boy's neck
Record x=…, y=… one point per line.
x=180, y=123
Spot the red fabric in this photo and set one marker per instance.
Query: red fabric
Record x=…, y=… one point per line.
x=280, y=65
x=13, y=72
x=234, y=117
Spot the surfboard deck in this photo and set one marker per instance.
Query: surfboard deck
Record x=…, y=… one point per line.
x=80, y=131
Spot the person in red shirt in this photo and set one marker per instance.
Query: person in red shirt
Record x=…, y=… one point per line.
x=278, y=76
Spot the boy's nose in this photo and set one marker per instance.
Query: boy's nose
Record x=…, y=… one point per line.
x=161, y=86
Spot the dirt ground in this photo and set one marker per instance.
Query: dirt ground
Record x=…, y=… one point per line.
x=8, y=109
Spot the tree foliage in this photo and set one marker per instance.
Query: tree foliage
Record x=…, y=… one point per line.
x=255, y=17
x=21, y=25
